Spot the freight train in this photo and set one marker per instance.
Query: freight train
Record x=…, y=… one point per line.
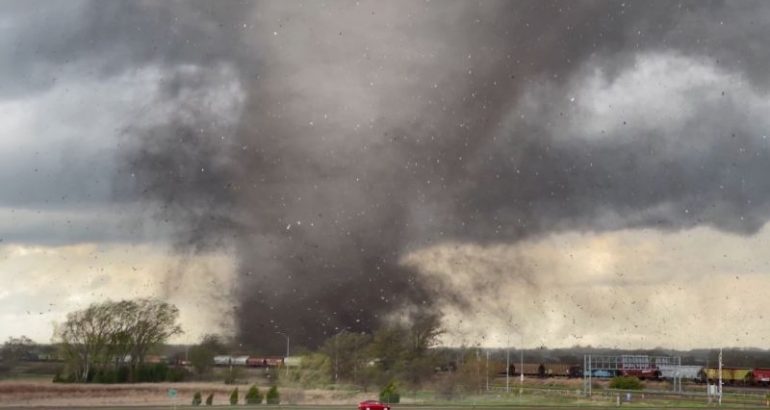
x=692, y=373
x=249, y=361
x=543, y=370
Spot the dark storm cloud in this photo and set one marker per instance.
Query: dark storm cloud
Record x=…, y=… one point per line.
x=69, y=71
x=44, y=41
x=368, y=130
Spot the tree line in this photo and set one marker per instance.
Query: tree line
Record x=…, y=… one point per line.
x=109, y=341
x=401, y=350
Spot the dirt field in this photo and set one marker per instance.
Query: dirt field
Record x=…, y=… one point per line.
x=30, y=393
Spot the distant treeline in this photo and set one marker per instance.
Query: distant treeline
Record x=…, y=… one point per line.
x=22, y=349
x=125, y=341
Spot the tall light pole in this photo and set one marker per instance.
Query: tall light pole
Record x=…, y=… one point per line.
x=720, y=376
x=521, y=367
x=336, y=359
x=508, y=366
x=487, y=368
x=521, y=360
x=287, y=353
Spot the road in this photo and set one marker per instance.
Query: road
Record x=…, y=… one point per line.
x=349, y=407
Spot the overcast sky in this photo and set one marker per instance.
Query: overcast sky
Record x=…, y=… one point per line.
x=547, y=172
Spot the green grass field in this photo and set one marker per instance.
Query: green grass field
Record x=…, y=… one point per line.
x=430, y=407
x=533, y=394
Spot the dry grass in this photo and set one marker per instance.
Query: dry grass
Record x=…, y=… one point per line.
x=14, y=393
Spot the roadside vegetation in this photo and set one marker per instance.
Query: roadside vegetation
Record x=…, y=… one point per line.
x=626, y=383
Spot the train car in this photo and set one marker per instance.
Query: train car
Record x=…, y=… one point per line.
x=603, y=373
x=686, y=372
x=557, y=369
x=271, y=361
x=151, y=358
x=537, y=370
x=760, y=376
x=225, y=360
x=542, y=370
x=292, y=361
x=256, y=362
x=642, y=374
x=574, y=372
x=222, y=360
x=730, y=375
x=240, y=360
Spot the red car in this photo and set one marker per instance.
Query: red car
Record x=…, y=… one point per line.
x=373, y=405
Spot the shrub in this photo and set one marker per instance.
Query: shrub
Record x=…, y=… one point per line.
x=390, y=394
x=69, y=378
x=626, y=383
x=176, y=374
x=123, y=373
x=210, y=399
x=197, y=399
x=273, y=397
x=253, y=396
x=151, y=373
x=105, y=376
x=234, y=397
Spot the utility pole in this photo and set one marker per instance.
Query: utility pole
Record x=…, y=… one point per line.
x=487, y=367
x=336, y=361
x=521, y=370
x=720, y=376
x=508, y=367
x=478, y=367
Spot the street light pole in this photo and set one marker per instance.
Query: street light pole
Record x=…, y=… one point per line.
x=336, y=360
x=720, y=376
x=521, y=365
x=508, y=366
x=521, y=370
x=487, y=369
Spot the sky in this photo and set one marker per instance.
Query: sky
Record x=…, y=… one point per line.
x=535, y=173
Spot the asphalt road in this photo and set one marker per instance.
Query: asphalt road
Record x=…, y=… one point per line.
x=336, y=407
